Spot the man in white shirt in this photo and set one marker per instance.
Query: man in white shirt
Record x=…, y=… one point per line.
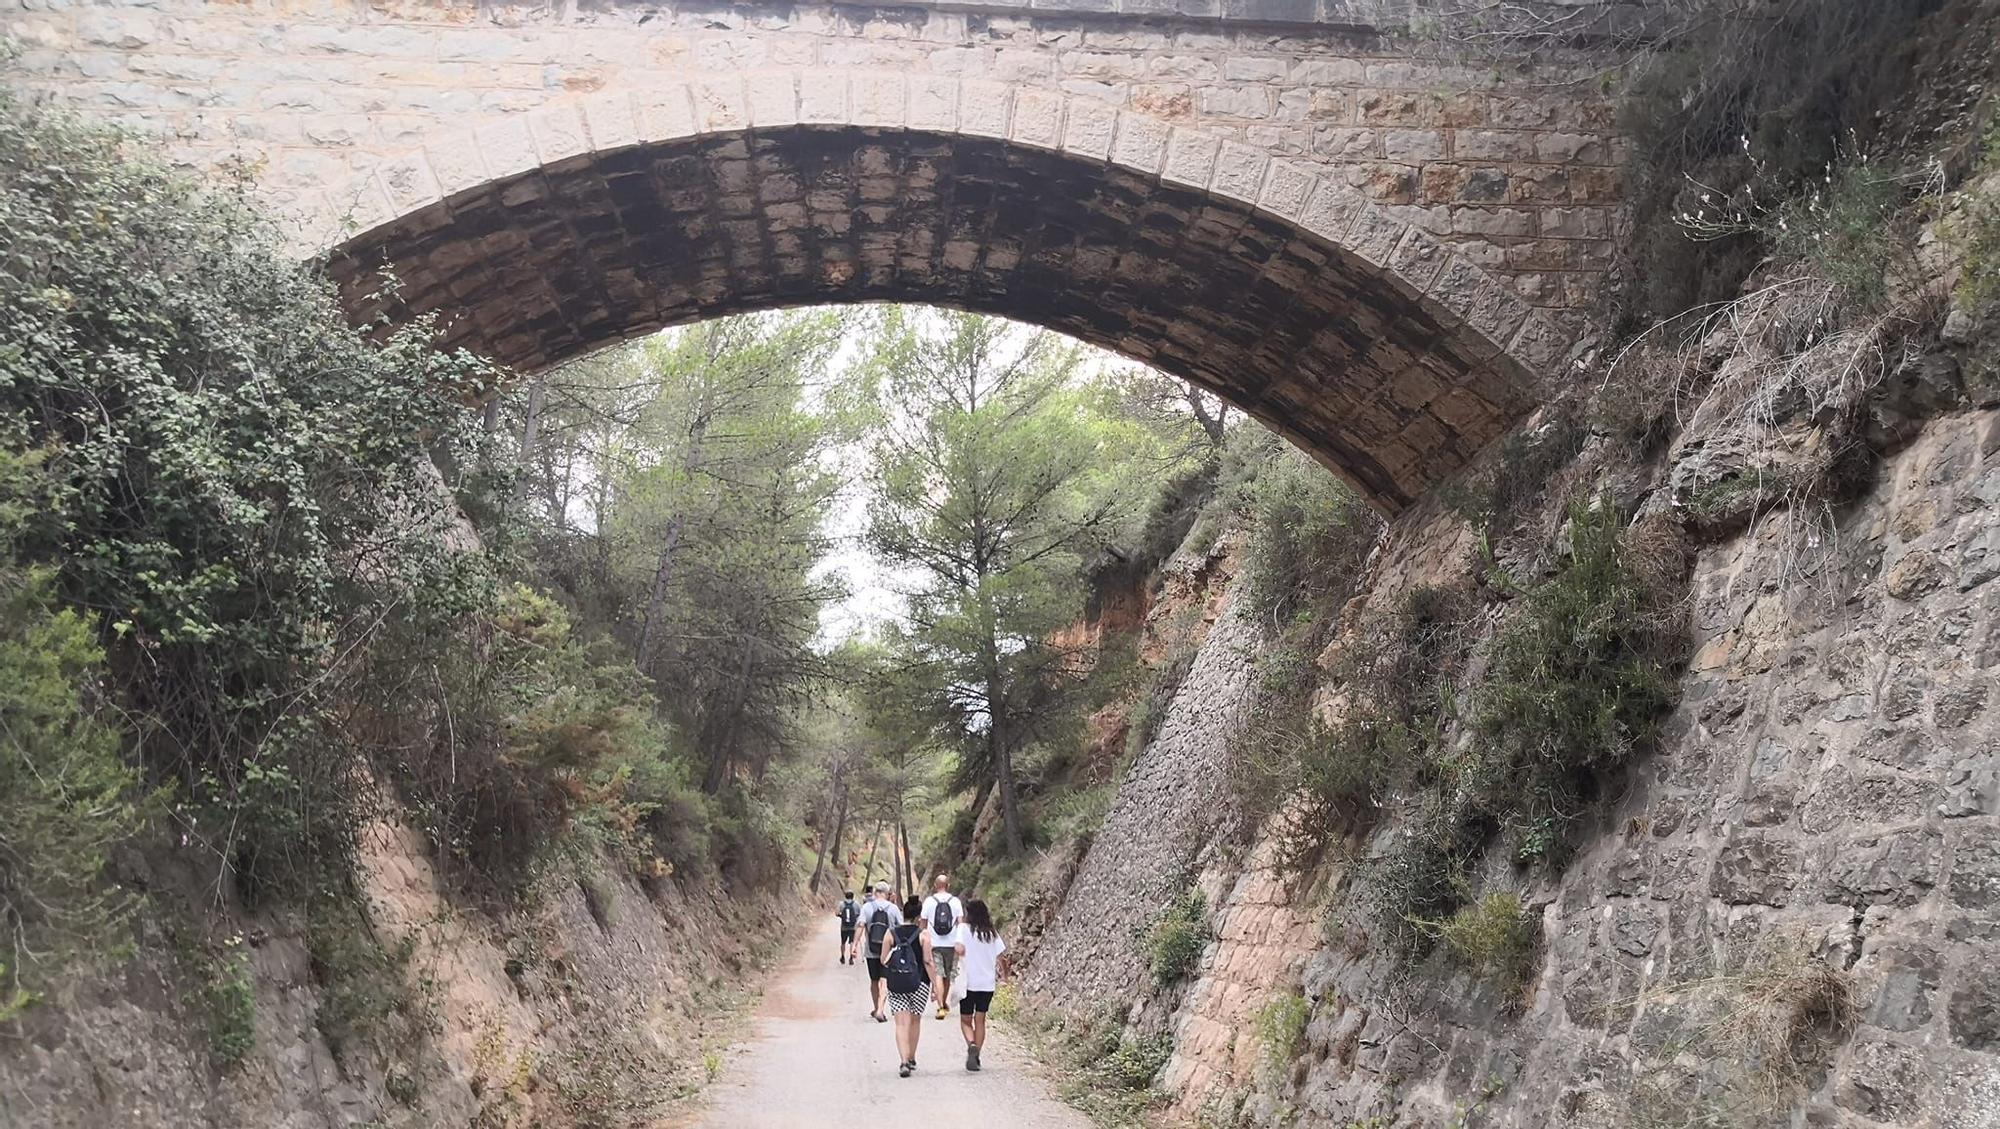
x=944, y=916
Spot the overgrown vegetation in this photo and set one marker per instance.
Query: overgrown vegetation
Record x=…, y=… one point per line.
x=1178, y=937
x=1494, y=937
x=1281, y=1030
x=1579, y=674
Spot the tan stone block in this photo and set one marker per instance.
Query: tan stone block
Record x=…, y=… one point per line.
x=879, y=100
x=408, y=182
x=666, y=114
x=1330, y=211
x=359, y=204
x=1166, y=101
x=1141, y=142
x=1493, y=310
x=1374, y=236
x=507, y=147
x=1417, y=260
x=1190, y=157
x=1239, y=172
x=1542, y=345
x=1287, y=187
x=457, y=163
x=1088, y=128
x=933, y=103
x=1517, y=222
x=772, y=98
x=1572, y=148
x=721, y=105
x=823, y=97
x=610, y=121
x=1413, y=146
x=1037, y=120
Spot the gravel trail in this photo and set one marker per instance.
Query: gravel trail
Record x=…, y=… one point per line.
x=813, y=1058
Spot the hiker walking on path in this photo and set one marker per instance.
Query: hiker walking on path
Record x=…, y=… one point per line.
x=849, y=912
x=979, y=948
x=942, y=913
x=878, y=918
x=906, y=957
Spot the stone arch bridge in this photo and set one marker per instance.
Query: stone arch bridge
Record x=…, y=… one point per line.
x=1378, y=254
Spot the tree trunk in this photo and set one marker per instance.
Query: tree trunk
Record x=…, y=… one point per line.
x=819, y=858
x=531, y=428
x=874, y=844
x=840, y=827
x=909, y=860
x=656, y=601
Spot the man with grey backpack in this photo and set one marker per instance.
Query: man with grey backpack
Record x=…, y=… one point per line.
x=878, y=919
x=943, y=918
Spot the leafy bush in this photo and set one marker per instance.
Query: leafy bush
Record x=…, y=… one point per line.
x=544, y=741
x=1495, y=499
x=365, y=994
x=1493, y=936
x=1395, y=699
x=1281, y=1029
x=1178, y=937
x=1310, y=537
x=66, y=795
x=238, y=486
x=1578, y=679
x=231, y=994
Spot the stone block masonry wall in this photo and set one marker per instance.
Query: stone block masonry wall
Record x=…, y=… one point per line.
x=1517, y=167
x=1828, y=787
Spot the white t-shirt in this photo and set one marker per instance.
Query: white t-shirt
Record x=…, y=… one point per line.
x=982, y=961
x=938, y=939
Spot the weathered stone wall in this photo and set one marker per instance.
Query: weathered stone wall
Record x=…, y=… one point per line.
x=1827, y=789
x=1517, y=165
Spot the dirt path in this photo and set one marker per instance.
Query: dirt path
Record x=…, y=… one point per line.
x=815, y=1059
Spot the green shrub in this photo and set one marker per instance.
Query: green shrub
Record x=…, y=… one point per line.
x=67, y=796
x=239, y=481
x=1579, y=676
x=231, y=995
x=1397, y=696
x=1495, y=499
x=1309, y=539
x=365, y=992
x=1494, y=937
x=1178, y=937
x=1281, y=1030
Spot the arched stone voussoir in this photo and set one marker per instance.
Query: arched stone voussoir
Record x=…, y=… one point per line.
x=540, y=236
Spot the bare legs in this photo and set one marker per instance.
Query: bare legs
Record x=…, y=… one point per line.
x=909, y=1025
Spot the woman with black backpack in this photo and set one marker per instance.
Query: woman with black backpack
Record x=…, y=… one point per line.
x=906, y=960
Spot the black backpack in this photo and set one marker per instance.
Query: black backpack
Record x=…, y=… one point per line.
x=849, y=913
x=878, y=925
x=905, y=969
x=942, y=921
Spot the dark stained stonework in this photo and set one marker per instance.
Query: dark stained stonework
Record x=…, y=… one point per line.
x=1341, y=356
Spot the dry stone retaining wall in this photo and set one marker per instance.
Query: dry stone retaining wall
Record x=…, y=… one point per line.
x=1828, y=789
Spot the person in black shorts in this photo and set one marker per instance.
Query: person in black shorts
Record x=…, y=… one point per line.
x=878, y=918
x=979, y=949
x=849, y=912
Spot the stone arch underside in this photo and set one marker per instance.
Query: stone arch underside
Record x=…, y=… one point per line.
x=1378, y=352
